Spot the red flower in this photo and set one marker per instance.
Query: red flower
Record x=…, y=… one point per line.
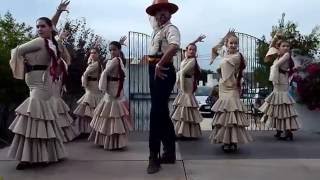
x=313, y=69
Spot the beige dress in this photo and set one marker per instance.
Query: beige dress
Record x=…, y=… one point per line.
x=186, y=116
x=89, y=101
x=37, y=137
x=65, y=121
x=229, y=120
x=110, y=122
x=278, y=108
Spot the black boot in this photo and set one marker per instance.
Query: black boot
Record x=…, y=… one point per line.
x=42, y=164
x=278, y=134
x=154, y=163
x=168, y=158
x=169, y=153
x=23, y=165
x=234, y=147
x=289, y=136
x=226, y=148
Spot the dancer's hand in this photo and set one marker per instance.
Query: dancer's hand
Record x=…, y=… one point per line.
x=159, y=73
x=63, y=5
x=200, y=38
x=231, y=31
x=278, y=34
x=123, y=40
x=98, y=42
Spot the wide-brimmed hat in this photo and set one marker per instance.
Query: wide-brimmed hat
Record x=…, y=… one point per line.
x=162, y=4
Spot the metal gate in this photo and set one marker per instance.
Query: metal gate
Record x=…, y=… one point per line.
x=139, y=93
x=253, y=93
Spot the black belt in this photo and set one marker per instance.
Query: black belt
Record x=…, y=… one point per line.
x=30, y=68
x=92, y=78
x=154, y=59
x=187, y=76
x=110, y=78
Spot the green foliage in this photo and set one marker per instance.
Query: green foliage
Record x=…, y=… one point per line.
x=78, y=43
x=261, y=73
x=83, y=37
x=12, y=33
x=308, y=45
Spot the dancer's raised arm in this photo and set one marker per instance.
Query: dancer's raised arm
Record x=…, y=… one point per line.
x=199, y=39
x=273, y=50
x=62, y=7
x=215, y=49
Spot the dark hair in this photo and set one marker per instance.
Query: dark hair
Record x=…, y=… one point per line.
x=100, y=64
x=118, y=45
x=49, y=23
x=121, y=72
x=54, y=58
x=240, y=73
x=197, y=70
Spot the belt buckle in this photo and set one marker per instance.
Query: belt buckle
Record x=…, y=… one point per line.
x=153, y=60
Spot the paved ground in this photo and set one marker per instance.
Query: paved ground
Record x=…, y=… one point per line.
x=265, y=158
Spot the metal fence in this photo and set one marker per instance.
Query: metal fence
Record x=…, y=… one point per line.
x=139, y=93
x=252, y=92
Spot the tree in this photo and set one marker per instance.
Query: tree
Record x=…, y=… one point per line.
x=12, y=33
x=307, y=45
x=83, y=37
x=78, y=43
x=12, y=91
x=261, y=73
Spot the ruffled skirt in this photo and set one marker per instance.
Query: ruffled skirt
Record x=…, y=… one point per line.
x=84, y=112
x=65, y=121
x=37, y=135
x=279, y=111
x=110, y=124
x=186, y=116
x=229, y=121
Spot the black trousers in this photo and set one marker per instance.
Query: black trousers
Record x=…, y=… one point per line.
x=161, y=126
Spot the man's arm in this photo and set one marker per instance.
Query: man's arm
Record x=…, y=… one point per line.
x=168, y=55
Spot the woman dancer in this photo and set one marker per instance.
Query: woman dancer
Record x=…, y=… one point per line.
x=37, y=138
x=89, y=101
x=229, y=120
x=110, y=123
x=278, y=108
x=186, y=116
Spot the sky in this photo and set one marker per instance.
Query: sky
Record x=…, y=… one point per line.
x=114, y=18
